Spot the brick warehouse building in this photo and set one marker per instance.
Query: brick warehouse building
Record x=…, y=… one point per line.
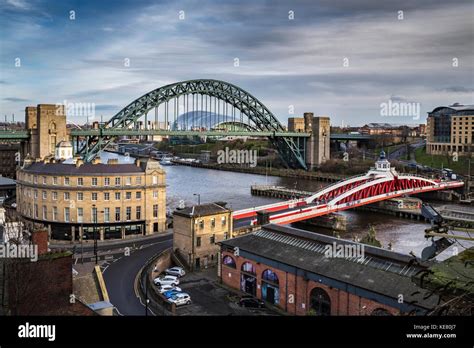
x=287, y=267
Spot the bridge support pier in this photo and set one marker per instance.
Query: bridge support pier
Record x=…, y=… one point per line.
x=318, y=144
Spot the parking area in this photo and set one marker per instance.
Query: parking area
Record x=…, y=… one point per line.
x=210, y=298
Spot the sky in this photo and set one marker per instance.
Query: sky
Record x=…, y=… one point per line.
x=343, y=59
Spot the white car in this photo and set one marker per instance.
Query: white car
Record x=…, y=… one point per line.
x=166, y=287
x=175, y=271
x=180, y=299
x=166, y=280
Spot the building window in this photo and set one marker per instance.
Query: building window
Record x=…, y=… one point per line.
x=139, y=213
x=212, y=239
x=35, y=179
x=66, y=215
x=80, y=181
x=248, y=268
x=270, y=287
x=106, y=196
x=117, y=214
x=229, y=261
x=106, y=214
x=80, y=196
x=128, y=213
x=155, y=210
x=128, y=195
x=94, y=181
x=45, y=195
x=55, y=180
x=226, y=235
x=155, y=194
x=94, y=196
x=55, y=196
x=94, y=215
x=66, y=181
x=154, y=180
x=44, y=180
x=36, y=194
x=201, y=224
x=45, y=213
x=80, y=214
x=55, y=213
x=128, y=180
x=117, y=181
x=106, y=181
x=66, y=196
x=138, y=180
x=198, y=241
x=213, y=222
x=320, y=302
x=117, y=196
x=138, y=195
x=223, y=221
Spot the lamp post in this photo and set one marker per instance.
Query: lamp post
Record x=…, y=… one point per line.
x=94, y=220
x=199, y=197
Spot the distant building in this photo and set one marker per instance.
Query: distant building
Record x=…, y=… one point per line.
x=293, y=270
x=197, y=230
x=64, y=151
x=450, y=130
x=8, y=159
x=382, y=129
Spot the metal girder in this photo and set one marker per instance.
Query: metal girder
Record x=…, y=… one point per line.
x=263, y=120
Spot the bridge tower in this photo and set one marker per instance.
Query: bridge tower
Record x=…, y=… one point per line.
x=317, y=145
x=47, y=126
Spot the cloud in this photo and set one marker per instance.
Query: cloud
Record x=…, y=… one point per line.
x=17, y=100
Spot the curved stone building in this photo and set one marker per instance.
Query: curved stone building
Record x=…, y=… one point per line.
x=93, y=200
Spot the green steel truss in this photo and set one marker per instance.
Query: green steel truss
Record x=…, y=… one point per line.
x=263, y=120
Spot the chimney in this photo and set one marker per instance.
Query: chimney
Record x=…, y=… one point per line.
x=137, y=162
x=96, y=160
x=40, y=238
x=112, y=161
x=79, y=162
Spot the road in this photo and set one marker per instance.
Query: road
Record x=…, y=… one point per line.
x=120, y=276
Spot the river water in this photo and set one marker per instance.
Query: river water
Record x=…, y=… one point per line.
x=184, y=183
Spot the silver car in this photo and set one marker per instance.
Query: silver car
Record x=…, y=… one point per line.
x=175, y=271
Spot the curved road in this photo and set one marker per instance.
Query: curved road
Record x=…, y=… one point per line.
x=120, y=277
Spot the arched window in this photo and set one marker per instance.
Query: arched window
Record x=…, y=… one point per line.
x=270, y=276
x=320, y=302
x=381, y=312
x=52, y=126
x=229, y=261
x=248, y=267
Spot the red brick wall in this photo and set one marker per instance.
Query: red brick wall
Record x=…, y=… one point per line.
x=299, y=290
x=40, y=238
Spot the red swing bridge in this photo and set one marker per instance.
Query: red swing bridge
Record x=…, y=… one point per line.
x=380, y=183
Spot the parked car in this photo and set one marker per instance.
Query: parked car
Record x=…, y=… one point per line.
x=251, y=302
x=172, y=292
x=166, y=287
x=166, y=280
x=180, y=299
x=175, y=271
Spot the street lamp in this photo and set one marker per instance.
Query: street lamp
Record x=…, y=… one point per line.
x=199, y=197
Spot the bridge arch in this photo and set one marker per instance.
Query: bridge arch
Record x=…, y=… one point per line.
x=257, y=114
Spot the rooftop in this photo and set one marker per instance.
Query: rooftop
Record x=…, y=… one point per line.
x=379, y=270
x=202, y=210
x=7, y=181
x=84, y=169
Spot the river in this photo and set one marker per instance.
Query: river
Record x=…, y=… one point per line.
x=184, y=183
